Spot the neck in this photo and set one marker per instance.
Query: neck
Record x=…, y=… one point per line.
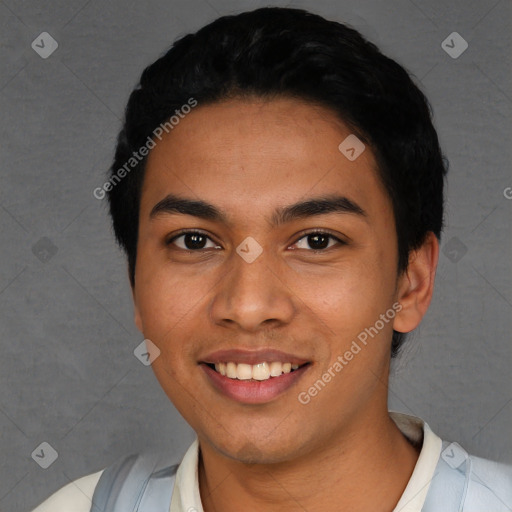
x=367, y=464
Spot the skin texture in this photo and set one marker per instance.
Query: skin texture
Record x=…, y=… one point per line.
x=249, y=157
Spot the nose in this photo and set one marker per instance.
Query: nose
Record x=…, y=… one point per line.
x=252, y=296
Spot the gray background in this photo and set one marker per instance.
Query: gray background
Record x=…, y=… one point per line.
x=68, y=375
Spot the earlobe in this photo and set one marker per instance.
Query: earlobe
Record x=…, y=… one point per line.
x=416, y=285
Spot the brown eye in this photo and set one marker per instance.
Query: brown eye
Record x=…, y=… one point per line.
x=318, y=241
x=192, y=241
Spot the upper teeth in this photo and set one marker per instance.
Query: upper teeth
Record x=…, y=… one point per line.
x=260, y=371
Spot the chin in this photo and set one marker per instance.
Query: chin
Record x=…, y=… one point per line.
x=259, y=451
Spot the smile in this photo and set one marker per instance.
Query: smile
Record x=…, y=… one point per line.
x=260, y=371
x=253, y=383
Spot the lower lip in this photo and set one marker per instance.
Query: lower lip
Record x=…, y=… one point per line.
x=253, y=391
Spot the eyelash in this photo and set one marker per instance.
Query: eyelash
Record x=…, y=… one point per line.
x=302, y=235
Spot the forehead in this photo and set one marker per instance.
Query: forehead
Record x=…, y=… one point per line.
x=256, y=153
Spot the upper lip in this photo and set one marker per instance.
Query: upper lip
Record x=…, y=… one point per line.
x=252, y=357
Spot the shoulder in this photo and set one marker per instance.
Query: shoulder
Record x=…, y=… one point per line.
x=490, y=485
x=463, y=481
x=73, y=497
x=140, y=477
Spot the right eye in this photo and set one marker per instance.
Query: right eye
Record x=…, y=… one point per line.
x=192, y=241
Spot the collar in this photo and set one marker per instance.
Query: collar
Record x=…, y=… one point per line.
x=415, y=429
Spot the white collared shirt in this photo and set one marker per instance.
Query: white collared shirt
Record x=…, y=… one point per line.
x=77, y=496
x=186, y=495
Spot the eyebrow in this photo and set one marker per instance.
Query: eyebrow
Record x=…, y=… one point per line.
x=172, y=204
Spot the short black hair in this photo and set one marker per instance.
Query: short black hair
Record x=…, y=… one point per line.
x=276, y=52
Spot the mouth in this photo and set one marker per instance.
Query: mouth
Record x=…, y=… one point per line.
x=253, y=382
x=256, y=372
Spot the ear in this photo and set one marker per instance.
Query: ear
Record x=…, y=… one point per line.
x=415, y=286
x=136, y=312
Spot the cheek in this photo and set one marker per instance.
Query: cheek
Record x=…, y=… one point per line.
x=340, y=295
x=345, y=303
x=166, y=299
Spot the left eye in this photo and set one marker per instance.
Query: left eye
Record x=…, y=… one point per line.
x=318, y=241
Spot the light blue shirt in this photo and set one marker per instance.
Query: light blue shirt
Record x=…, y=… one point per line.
x=445, y=479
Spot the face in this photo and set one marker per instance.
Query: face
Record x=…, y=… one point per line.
x=261, y=242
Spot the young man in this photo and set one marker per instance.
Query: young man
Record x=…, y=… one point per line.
x=278, y=190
